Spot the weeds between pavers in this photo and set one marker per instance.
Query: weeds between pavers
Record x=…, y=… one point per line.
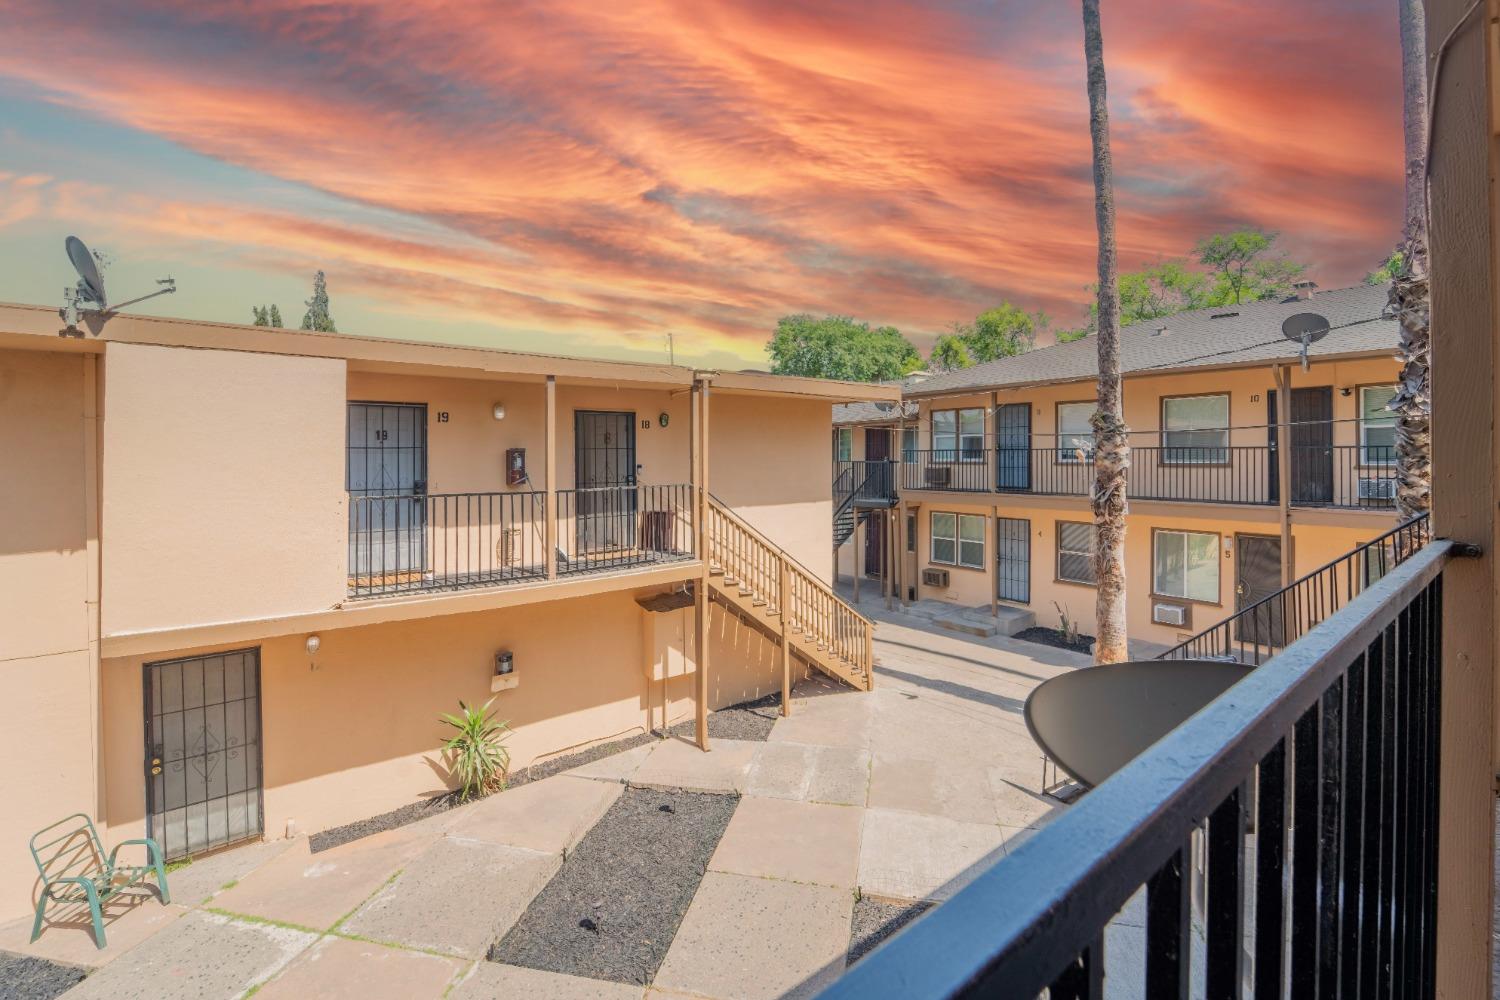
x=874, y=921
x=614, y=907
x=25, y=977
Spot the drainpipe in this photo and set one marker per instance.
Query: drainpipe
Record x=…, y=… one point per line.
x=1283, y=375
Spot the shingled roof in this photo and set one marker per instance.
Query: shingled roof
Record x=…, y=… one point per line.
x=1222, y=337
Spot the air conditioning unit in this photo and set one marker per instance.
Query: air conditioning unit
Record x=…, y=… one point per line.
x=935, y=578
x=938, y=475
x=1377, y=489
x=1163, y=613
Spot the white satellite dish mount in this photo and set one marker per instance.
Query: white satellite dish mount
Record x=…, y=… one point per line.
x=88, y=295
x=1305, y=329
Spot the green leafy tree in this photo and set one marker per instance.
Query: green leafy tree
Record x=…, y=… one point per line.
x=840, y=347
x=1246, y=267
x=275, y=315
x=1002, y=332
x=317, y=316
x=1388, y=269
x=949, y=353
x=1160, y=290
x=1068, y=336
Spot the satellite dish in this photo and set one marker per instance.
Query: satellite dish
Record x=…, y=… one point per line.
x=90, y=283
x=90, y=289
x=1305, y=329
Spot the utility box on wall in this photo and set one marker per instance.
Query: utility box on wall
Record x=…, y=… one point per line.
x=515, y=467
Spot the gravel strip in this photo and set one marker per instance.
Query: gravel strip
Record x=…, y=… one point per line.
x=23, y=977
x=875, y=921
x=413, y=811
x=750, y=720
x=1050, y=637
x=613, y=909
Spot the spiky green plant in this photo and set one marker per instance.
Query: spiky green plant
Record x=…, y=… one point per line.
x=477, y=750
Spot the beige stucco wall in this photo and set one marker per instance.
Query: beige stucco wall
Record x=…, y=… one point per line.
x=353, y=731
x=224, y=493
x=47, y=677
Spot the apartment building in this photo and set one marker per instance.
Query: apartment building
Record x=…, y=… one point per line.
x=243, y=570
x=975, y=489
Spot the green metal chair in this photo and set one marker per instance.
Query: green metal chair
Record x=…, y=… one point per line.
x=78, y=870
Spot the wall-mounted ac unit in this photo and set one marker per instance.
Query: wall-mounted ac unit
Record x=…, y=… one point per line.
x=938, y=475
x=1377, y=489
x=1164, y=613
x=935, y=578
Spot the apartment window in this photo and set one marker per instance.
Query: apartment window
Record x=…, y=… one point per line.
x=911, y=532
x=1185, y=564
x=908, y=444
x=958, y=539
x=958, y=435
x=1377, y=425
x=1075, y=435
x=1195, y=430
x=843, y=444
x=1075, y=551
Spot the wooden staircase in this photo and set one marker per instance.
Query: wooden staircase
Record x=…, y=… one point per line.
x=755, y=576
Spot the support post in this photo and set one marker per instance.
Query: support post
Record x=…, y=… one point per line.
x=859, y=569
x=783, y=605
x=549, y=476
x=701, y=631
x=1283, y=377
x=992, y=555
x=905, y=543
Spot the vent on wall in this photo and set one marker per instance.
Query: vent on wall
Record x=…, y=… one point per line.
x=935, y=578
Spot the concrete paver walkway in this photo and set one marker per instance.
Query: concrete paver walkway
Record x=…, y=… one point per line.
x=900, y=794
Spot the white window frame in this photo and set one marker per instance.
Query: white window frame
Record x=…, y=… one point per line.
x=968, y=553
x=1175, y=536
x=910, y=438
x=1367, y=423
x=1089, y=553
x=1069, y=444
x=967, y=439
x=1212, y=454
x=843, y=444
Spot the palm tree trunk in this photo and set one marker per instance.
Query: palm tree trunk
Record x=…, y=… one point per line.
x=1410, y=300
x=1111, y=438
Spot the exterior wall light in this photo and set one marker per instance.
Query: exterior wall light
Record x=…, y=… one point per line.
x=313, y=644
x=499, y=411
x=505, y=663
x=663, y=419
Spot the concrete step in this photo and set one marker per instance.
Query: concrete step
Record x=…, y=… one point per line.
x=978, y=621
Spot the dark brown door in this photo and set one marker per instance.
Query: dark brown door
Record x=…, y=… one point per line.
x=1258, y=576
x=877, y=444
x=874, y=541
x=1311, y=460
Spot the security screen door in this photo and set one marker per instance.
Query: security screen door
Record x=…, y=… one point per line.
x=386, y=476
x=1013, y=446
x=604, y=472
x=203, y=778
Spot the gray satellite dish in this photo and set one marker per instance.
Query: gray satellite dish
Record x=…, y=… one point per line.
x=90, y=283
x=1305, y=329
x=90, y=289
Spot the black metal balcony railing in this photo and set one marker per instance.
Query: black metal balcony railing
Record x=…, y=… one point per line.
x=1254, y=633
x=1282, y=841
x=1354, y=477
x=444, y=541
x=950, y=469
x=868, y=481
x=617, y=527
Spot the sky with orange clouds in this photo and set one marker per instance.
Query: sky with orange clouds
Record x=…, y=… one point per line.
x=582, y=177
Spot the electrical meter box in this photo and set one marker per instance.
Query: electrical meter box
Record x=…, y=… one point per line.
x=515, y=466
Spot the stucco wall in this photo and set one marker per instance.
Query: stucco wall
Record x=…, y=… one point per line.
x=224, y=493
x=47, y=685
x=771, y=462
x=353, y=731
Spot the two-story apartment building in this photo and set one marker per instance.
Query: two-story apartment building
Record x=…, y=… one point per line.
x=978, y=484
x=243, y=570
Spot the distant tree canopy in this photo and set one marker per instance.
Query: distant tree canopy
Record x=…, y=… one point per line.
x=1000, y=332
x=1388, y=269
x=1246, y=267
x=266, y=317
x=840, y=347
x=317, y=316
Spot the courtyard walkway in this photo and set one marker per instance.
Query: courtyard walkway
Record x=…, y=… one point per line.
x=852, y=816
